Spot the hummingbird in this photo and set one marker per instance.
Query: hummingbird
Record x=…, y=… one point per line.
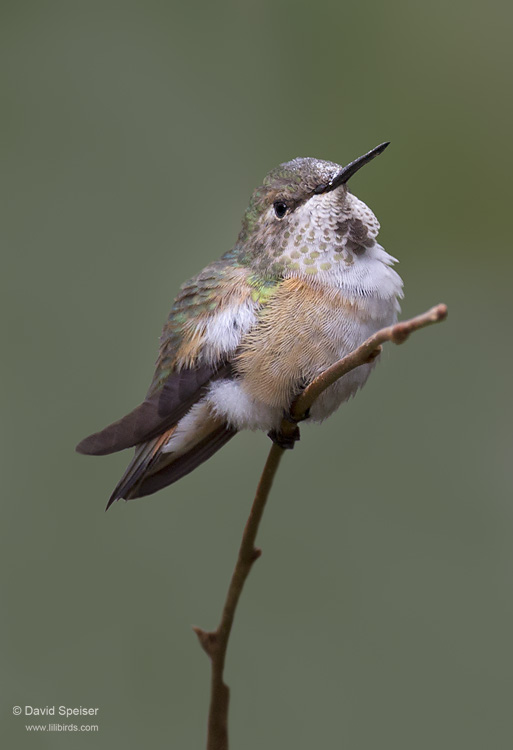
x=304, y=285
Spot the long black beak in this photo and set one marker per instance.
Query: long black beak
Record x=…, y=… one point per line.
x=346, y=172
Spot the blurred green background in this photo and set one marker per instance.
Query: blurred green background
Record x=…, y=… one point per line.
x=381, y=612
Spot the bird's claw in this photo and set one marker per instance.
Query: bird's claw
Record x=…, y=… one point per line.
x=286, y=442
x=287, y=415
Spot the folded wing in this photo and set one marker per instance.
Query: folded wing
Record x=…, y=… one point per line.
x=157, y=413
x=207, y=321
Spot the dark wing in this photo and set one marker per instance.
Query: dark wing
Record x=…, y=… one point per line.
x=157, y=413
x=183, y=373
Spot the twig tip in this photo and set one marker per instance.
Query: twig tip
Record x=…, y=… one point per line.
x=207, y=640
x=440, y=311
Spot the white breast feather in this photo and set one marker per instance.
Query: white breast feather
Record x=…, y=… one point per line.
x=221, y=332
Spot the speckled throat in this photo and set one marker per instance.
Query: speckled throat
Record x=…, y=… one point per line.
x=326, y=234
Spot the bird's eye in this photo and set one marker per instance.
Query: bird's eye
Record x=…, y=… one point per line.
x=280, y=209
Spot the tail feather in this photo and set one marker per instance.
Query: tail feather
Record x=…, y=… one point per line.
x=165, y=459
x=146, y=455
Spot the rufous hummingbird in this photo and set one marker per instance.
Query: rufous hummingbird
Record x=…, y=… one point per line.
x=305, y=284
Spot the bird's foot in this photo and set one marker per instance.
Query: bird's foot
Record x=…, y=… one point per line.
x=287, y=415
x=285, y=441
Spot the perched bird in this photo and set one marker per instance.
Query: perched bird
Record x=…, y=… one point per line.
x=305, y=284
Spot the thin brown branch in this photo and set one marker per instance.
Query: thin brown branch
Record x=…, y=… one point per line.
x=215, y=643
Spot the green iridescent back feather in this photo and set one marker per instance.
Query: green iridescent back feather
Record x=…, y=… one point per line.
x=199, y=297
